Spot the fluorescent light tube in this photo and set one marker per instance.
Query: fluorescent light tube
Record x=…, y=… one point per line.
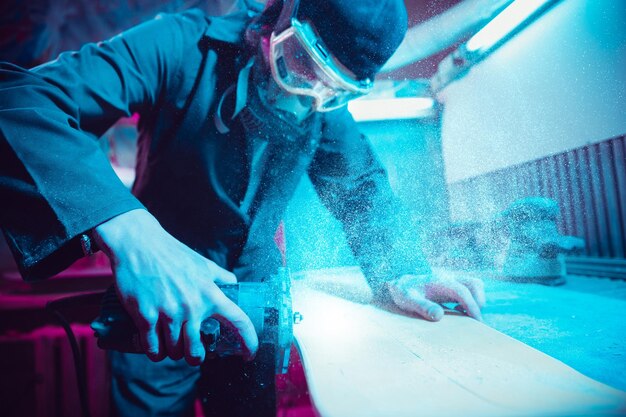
x=364, y=110
x=504, y=23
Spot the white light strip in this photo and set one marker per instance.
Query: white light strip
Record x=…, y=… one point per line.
x=503, y=24
x=365, y=110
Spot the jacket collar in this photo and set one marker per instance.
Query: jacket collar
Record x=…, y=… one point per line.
x=229, y=28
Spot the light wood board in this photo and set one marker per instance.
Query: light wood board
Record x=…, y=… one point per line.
x=363, y=361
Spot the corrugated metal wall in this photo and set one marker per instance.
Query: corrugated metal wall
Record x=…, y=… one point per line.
x=589, y=184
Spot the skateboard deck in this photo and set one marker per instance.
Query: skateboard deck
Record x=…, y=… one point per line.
x=363, y=361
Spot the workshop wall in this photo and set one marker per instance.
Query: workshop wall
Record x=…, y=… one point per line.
x=543, y=115
x=588, y=183
x=559, y=84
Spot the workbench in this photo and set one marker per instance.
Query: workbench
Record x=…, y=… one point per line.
x=360, y=360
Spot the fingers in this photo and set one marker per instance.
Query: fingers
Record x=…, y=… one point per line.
x=425, y=308
x=194, y=349
x=476, y=288
x=168, y=307
x=414, y=302
x=150, y=342
x=226, y=310
x=172, y=329
x=149, y=336
x=461, y=294
x=221, y=275
x=420, y=295
x=160, y=334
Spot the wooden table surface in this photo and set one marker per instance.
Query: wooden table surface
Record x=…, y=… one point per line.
x=363, y=361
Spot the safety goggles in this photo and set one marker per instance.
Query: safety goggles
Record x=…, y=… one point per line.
x=301, y=64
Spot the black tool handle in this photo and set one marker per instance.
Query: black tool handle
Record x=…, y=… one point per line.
x=116, y=330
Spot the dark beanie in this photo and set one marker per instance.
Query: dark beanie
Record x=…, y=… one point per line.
x=361, y=34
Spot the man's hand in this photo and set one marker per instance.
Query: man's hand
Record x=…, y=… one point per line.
x=420, y=294
x=167, y=288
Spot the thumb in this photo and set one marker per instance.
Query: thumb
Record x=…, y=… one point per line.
x=221, y=275
x=230, y=313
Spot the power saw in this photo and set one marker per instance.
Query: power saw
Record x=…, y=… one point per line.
x=267, y=303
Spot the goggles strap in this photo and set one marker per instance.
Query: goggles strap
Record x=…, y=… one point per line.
x=241, y=98
x=242, y=88
x=289, y=10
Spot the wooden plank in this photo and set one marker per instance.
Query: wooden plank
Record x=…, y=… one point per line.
x=363, y=361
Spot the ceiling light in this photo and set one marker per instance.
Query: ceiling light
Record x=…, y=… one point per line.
x=367, y=110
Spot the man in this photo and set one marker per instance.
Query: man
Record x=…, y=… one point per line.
x=232, y=113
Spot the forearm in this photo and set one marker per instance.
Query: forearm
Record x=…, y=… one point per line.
x=386, y=245
x=352, y=183
x=54, y=179
x=53, y=173
x=379, y=231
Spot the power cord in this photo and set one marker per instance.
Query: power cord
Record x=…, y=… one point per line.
x=54, y=308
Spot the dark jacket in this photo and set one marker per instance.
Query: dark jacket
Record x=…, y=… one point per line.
x=56, y=183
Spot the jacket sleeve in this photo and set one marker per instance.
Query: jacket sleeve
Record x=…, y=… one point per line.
x=353, y=185
x=55, y=182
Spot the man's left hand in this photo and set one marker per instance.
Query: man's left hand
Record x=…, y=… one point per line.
x=420, y=294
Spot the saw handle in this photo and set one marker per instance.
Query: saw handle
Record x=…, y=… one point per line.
x=115, y=330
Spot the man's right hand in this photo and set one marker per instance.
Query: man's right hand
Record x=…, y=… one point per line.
x=167, y=288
